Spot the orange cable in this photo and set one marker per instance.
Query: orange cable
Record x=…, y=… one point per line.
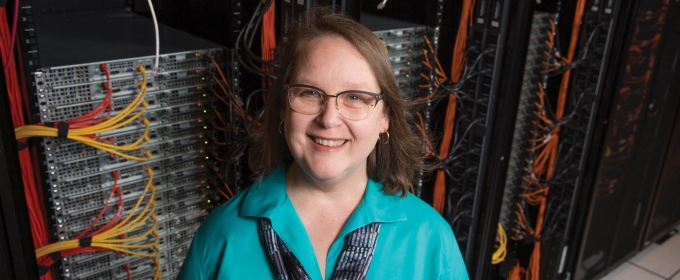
x=268, y=39
x=458, y=63
x=457, y=66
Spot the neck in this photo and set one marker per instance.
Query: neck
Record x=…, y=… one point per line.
x=349, y=190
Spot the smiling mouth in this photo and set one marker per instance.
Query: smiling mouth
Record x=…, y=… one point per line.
x=329, y=143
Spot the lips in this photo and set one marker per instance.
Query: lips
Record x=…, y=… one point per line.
x=329, y=143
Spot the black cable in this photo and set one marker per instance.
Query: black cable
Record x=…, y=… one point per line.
x=583, y=54
x=452, y=158
x=250, y=96
x=469, y=128
x=248, y=37
x=256, y=70
x=462, y=176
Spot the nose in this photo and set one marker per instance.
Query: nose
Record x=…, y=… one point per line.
x=329, y=115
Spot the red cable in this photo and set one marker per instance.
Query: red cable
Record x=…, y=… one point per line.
x=114, y=190
x=33, y=201
x=14, y=33
x=127, y=270
x=92, y=117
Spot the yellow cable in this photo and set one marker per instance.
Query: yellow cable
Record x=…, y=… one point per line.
x=501, y=248
x=121, y=119
x=104, y=240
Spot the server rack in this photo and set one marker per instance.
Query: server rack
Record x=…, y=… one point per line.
x=607, y=201
x=592, y=83
x=475, y=126
x=663, y=215
x=538, y=94
x=664, y=212
x=77, y=60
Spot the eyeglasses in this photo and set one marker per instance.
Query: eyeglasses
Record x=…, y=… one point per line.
x=353, y=105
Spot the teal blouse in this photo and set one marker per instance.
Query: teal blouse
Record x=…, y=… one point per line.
x=414, y=242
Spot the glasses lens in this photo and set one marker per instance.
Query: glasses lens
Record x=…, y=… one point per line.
x=305, y=100
x=352, y=105
x=356, y=105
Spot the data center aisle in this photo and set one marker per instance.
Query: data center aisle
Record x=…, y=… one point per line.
x=657, y=261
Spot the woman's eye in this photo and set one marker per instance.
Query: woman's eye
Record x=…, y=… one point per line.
x=355, y=97
x=310, y=93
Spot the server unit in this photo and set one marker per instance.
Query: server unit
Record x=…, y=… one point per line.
x=405, y=43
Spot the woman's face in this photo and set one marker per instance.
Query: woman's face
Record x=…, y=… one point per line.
x=327, y=146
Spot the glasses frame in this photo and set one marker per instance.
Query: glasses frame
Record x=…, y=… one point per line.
x=377, y=97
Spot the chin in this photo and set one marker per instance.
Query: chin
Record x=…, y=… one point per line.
x=328, y=171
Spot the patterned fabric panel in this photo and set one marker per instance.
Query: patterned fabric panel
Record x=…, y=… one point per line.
x=356, y=256
x=282, y=261
x=357, y=253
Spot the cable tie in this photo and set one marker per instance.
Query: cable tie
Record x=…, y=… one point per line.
x=85, y=242
x=22, y=145
x=56, y=256
x=62, y=132
x=42, y=270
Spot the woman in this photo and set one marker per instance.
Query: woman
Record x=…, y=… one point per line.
x=334, y=160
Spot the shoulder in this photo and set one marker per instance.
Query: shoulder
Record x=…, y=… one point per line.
x=224, y=244
x=424, y=234
x=420, y=213
x=225, y=221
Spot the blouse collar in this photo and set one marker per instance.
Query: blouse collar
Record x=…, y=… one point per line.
x=270, y=196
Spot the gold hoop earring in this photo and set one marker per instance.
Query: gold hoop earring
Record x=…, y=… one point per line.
x=280, y=124
x=388, y=138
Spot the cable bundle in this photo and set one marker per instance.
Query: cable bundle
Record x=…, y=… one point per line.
x=45, y=263
x=501, y=249
x=112, y=236
x=268, y=39
x=541, y=168
x=33, y=198
x=233, y=101
x=457, y=67
x=85, y=133
x=250, y=61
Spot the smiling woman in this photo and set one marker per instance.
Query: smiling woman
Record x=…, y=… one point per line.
x=334, y=159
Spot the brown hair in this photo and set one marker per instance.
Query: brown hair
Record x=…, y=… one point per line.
x=393, y=164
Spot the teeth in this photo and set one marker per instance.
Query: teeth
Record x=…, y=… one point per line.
x=329, y=143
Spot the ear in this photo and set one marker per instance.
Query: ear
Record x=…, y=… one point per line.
x=282, y=114
x=385, y=119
